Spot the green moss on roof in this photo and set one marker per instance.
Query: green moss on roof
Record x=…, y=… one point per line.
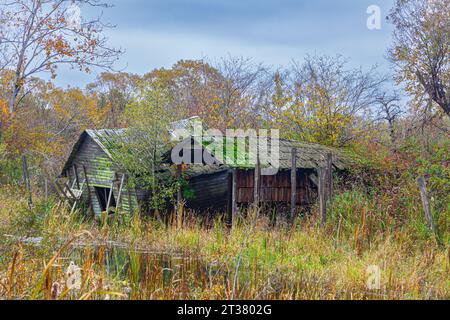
x=309, y=156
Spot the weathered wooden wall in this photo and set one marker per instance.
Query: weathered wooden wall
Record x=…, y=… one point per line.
x=209, y=191
x=100, y=172
x=276, y=188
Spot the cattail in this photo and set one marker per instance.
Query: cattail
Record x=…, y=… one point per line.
x=55, y=291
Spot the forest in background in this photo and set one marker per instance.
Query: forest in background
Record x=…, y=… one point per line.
x=396, y=124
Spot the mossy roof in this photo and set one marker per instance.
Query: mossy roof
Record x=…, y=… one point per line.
x=309, y=156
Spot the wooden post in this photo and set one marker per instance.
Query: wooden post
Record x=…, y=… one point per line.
x=88, y=186
x=229, y=218
x=294, y=183
x=46, y=189
x=120, y=192
x=70, y=191
x=130, y=205
x=110, y=193
x=426, y=204
x=256, y=183
x=329, y=178
x=314, y=179
x=75, y=199
x=179, y=191
x=179, y=198
x=26, y=179
x=322, y=197
x=75, y=174
x=234, y=197
x=60, y=190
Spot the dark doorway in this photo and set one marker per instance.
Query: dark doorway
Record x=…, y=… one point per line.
x=103, y=195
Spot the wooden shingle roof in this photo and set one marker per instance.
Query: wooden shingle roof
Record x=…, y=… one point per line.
x=309, y=155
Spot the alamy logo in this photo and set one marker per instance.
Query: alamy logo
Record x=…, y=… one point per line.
x=73, y=16
x=73, y=275
x=373, y=277
x=374, y=20
x=243, y=148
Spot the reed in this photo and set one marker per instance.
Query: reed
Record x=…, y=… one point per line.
x=142, y=258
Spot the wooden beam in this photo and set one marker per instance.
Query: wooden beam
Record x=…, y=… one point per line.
x=130, y=205
x=75, y=174
x=322, y=196
x=426, y=204
x=60, y=190
x=70, y=191
x=110, y=193
x=120, y=192
x=229, y=218
x=234, y=196
x=46, y=189
x=88, y=189
x=75, y=199
x=179, y=191
x=294, y=183
x=256, y=182
x=314, y=179
x=179, y=198
x=329, y=180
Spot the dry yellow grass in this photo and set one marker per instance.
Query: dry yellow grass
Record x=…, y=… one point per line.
x=145, y=259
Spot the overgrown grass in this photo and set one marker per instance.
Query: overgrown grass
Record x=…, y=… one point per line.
x=139, y=258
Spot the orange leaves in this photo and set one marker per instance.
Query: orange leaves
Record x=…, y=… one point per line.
x=5, y=116
x=76, y=106
x=60, y=46
x=52, y=121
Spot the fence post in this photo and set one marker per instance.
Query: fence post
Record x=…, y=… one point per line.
x=46, y=189
x=322, y=196
x=329, y=182
x=426, y=204
x=179, y=198
x=256, y=183
x=294, y=183
x=229, y=218
x=234, y=197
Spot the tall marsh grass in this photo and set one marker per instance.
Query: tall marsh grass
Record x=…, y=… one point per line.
x=138, y=258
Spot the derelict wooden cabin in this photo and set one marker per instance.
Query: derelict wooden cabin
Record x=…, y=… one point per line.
x=218, y=187
x=92, y=174
x=94, y=178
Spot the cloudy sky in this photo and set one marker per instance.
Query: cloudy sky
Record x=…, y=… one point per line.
x=158, y=33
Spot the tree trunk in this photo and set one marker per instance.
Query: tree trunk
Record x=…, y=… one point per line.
x=15, y=94
x=26, y=179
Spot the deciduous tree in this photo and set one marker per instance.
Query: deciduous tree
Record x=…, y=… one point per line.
x=39, y=35
x=421, y=48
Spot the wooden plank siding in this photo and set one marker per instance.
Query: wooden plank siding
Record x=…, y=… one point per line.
x=100, y=172
x=209, y=191
x=276, y=188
